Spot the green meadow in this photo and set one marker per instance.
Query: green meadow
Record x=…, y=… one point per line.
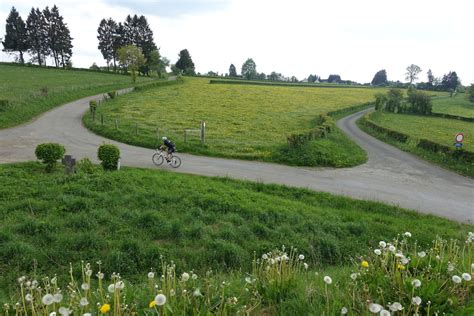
x=457, y=105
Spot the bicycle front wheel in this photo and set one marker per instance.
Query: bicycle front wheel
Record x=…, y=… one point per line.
x=175, y=162
x=157, y=159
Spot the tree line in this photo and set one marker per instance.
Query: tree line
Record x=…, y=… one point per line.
x=45, y=34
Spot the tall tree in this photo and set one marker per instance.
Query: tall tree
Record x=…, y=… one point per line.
x=107, y=33
x=431, y=78
x=412, y=73
x=138, y=32
x=249, y=69
x=450, y=82
x=334, y=79
x=16, y=39
x=185, y=63
x=64, y=45
x=37, y=32
x=380, y=78
x=131, y=58
x=232, y=71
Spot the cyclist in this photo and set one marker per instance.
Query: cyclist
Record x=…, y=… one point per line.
x=169, y=146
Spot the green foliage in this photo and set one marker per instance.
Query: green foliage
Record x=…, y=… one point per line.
x=232, y=71
x=412, y=73
x=85, y=166
x=458, y=106
x=15, y=39
x=4, y=104
x=21, y=86
x=112, y=94
x=249, y=69
x=185, y=63
x=420, y=102
x=470, y=93
x=380, y=100
x=380, y=78
x=394, y=100
x=49, y=153
x=109, y=156
x=131, y=58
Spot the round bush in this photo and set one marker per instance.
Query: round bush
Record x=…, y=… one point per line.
x=49, y=153
x=109, y=156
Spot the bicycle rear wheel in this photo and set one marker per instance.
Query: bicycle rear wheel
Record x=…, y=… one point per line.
x=157, y=159
x=175, y=162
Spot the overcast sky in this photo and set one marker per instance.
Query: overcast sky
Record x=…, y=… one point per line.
x=351, y=38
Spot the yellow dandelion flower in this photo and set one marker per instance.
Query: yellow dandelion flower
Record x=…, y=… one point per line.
x=104, y=308
x=364, y=264
x=400, y=267
x=152, y=304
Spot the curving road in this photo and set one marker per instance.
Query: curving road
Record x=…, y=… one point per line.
x=390, y=175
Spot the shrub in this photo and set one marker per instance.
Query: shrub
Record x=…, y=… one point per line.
x=85, y=166
x=44, y=91
x=420, y=102
x=109, y=156
x=394, y=100
x=112, y=94
x=93, y=106
x=49, y=153
x=380, y=100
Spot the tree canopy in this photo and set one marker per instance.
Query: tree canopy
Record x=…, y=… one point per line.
x=380, y=78
x=249, y=69
x=185, y=63
x=131, y=58
x=16, y=39
x=412, y=73
x=232, y=71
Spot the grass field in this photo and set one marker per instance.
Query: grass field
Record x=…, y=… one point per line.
x=458, y=105
x=32, y=90
x=439, y=130
x=243, y=121
x=128, y=219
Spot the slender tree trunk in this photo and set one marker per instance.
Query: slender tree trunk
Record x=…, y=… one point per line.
x=62, y=59
x=22, y=61
x=115, y=66
x=39, y=58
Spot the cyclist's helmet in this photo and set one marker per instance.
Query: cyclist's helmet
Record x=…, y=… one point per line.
x=164, y=138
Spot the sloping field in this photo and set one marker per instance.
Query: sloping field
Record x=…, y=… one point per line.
x=33, y=90
x=243, y=121
x=458, y=105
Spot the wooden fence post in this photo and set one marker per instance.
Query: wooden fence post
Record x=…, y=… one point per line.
x=116, y=124
x=203, y=132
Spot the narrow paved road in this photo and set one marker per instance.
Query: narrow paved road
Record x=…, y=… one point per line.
x=390, y=175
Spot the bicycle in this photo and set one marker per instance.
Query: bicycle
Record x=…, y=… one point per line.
x=159, y=157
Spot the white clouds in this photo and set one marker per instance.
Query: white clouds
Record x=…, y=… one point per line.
x=351, y=38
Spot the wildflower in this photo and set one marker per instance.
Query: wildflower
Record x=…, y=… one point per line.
x=327, y=279
x=354, y=276
x=364, y=264
x=284, y=257
x=84, y=302
x=305, y=265
x=416, y=283
x=47, y=299
x=197, y=292
x=21, y=279
x=382, y=244
x=100, y=275
x=87, y=314
x=395, y=307
x=119, y=285
x=264, y=256
x=248, y=280
x=344, y=311
x=194, y=276
x=151, y=275
x=375, y=308
x=384, y=312
x=407, y=234
x=272, y=261
x=438, y=257
x=85, y=286
x=52, y=314
x=160, y=299
x=392, y=248
x=152, y=304
x=185, y=276
x=104, y=308
x=422, y=254
x=450, y=267
x=28, y=297
x=400, y=266
x=416, y=301
x=64, y=311
x=301, y=257
x=456, y=279
x=466, y=276
x=57, y=298
x=89, y=272
x=378, y=252
x=111, y=288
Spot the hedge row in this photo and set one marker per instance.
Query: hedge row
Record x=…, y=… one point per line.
x=351, y=109
x=284, y=84
x=434, y=147
x=454, y=117
x=324, y=126
x=147, y=86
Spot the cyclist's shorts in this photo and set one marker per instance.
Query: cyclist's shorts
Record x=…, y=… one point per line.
x=171, y=150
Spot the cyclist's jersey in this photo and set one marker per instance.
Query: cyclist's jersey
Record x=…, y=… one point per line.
x=169, y=144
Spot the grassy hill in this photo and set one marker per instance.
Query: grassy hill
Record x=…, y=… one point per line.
x=457, y=105
x=129, y=219
x=31, y=91
x=243, y=121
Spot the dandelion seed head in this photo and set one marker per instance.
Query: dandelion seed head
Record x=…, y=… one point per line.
x=422, y=254
x=456, y=279
x=301, y=257
x=344, y=311
x=407, y=234
x=416, y=283
x=151, y=275
x=354, y=276
x=85, y=286
x=395, y=307
x=160, y=299
x=375, y=308
x=378, y=252
x=48, y=299
x=327, y=279
x=305, y=265
x=466, y=276
x=384, y=312
x=450, y=267
x=57, y=298
x=382, y=244
x=84, y=302
x=185, y=276
x=416, y=301
x=111, y=288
